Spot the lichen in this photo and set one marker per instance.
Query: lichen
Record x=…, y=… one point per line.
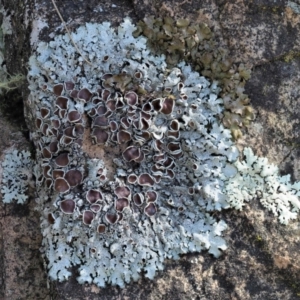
x=196, y=44
x=148, y=196
x=256, y=178
x=16, y=177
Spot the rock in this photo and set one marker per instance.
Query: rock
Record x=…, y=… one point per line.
x=262, y=260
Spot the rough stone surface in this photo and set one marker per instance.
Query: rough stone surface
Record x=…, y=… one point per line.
x=262, y=260
x=21, y=266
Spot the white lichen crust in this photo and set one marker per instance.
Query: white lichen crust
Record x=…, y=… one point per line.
x=170, y=156
x=16, y=177
x=256, y=178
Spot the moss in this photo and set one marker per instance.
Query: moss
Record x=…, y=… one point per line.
x=197, y=45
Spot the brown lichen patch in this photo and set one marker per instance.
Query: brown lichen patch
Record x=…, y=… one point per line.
x=181, y=39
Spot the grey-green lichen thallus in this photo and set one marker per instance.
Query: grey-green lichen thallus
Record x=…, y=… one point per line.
x=129, y=156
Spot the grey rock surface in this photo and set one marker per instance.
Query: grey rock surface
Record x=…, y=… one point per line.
x=262, y=260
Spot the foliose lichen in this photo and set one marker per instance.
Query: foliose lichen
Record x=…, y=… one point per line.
x=16, y=177
x=160, y=152
x=256, y=178
x=131, y=159
x=196, y=44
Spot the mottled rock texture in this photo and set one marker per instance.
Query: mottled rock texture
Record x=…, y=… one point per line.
x=262, y=261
